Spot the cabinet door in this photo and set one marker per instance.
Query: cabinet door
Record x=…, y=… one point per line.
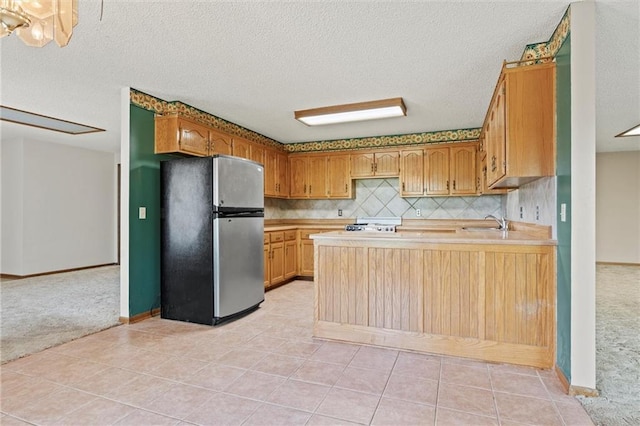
x=282, y=183
x=219, y=143
x=306, y=258
x=496, y=144
x=298, y=174
x=339, y=176
x=437, y=171
x=290, y=259
x=317, y=176
x=463, y=170
x=241, y=148
x=277, y=263
x=362, y=165
x=412, y=173
x=193, y=138
x=267, y=266
x=270, y=167
x=387, y=164
x=256, y=153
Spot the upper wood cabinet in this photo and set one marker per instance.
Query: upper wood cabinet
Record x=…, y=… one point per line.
x=463, y=169
x=519, y=128
x=447, y=169
x=320, y=176
x=339, y=183
x=481, y=179
x=256, y=153
x=436, y=167
x=220, y=143
x=375, y=164
x=241, y=148
x=412, y=173
x=276, y=182
x=174, y=133
x=308, y=176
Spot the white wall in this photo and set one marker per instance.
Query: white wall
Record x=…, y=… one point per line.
x=11, y=169
x=583, y=195
x=64, y=217
x=618, y=207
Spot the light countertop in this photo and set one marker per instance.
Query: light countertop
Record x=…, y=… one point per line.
x=459, y=236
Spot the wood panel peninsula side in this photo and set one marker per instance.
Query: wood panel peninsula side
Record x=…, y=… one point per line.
x=488, y=295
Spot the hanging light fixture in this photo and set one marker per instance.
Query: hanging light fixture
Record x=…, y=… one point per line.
x=37, y=22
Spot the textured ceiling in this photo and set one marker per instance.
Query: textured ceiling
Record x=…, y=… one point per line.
x=254, y=63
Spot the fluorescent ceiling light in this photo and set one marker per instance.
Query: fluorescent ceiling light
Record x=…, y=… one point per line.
x=43, y=122
x=360, y=111
x=634, y=131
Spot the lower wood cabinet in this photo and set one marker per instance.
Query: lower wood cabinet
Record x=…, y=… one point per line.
x=306, y=252
x=280, y=257
x=290, y=254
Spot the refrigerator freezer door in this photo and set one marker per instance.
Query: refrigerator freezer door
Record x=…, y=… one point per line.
x=238, y=264
x=237, y=183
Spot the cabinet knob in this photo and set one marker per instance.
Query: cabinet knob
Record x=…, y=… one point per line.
x=454, y=184
x=305, y=188
x=346, y=187
x=375, y=168
x=371, y=167
x=309, y=189
x=447, y=185
x=403, y=186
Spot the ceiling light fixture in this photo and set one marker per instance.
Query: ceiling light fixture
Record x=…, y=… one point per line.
x=27, y=118
x=37, y=22
x=634, y=131
x=360, y=111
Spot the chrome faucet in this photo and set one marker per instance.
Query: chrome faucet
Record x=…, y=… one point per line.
x=502, y=221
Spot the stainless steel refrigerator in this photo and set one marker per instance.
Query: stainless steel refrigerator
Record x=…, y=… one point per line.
x=212, y=264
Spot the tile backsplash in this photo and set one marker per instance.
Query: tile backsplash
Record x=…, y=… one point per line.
x=380, y=198
x=538, y=202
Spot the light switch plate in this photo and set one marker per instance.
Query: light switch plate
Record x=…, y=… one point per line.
x=563, y=212
x=142, y=213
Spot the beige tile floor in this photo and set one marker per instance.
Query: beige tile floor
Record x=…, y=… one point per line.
x=266, y=369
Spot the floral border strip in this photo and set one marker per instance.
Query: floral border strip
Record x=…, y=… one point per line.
x=462, y=135
x=550, y=48
x=159, y=106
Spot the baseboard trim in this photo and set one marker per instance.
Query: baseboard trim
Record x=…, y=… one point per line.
x=618, y=263
x=571, y=389
x=140, y=317
x=16, y=277
x=582, y=391
x=563, y=379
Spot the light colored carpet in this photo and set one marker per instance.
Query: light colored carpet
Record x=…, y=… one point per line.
x=41, y=312
x=617, y=347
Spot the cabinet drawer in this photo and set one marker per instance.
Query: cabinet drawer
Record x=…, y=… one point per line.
x=290, y=235
x=266, y=238
x=277, y=237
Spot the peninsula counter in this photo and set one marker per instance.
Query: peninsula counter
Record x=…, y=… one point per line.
x=488, y=295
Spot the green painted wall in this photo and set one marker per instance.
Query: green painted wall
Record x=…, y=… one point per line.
x=563, y=172
x=144, y=235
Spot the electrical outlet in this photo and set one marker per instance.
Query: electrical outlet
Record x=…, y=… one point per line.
x=142, y=213
x=418, y=212
x=339, y=212
x=563, y=212
x=537, y=212
x=521, y=212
